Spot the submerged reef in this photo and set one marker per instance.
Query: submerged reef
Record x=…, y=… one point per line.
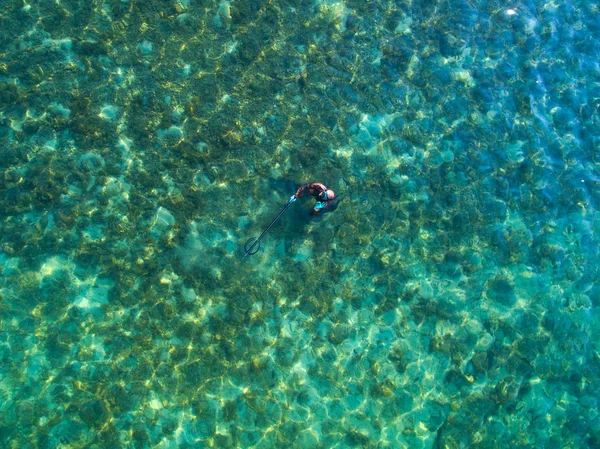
x=450, y=299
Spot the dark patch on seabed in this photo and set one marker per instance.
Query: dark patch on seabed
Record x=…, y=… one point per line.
x=448, y=302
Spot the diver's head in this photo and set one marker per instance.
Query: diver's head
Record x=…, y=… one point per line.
x=327, y=195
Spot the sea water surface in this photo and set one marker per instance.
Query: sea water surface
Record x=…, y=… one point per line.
x=448, y=302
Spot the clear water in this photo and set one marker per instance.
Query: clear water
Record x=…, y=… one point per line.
x=448, y=302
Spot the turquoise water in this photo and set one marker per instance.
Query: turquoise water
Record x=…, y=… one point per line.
x=448, y=302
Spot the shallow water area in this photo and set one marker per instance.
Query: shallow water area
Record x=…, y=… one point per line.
x=448, y=301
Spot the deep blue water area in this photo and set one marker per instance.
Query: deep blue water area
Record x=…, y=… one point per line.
x=450, y=299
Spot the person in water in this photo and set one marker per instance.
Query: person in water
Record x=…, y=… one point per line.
x=325, y=197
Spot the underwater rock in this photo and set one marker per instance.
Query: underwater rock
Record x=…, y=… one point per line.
x=69, y=432
x=91, y=162
x=450, y=46
x=501, y=290
x=110, y=112
x=146, y=47
x=93, y=413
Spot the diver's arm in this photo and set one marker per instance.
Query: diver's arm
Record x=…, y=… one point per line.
x=312, y=188
x=303, y=190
